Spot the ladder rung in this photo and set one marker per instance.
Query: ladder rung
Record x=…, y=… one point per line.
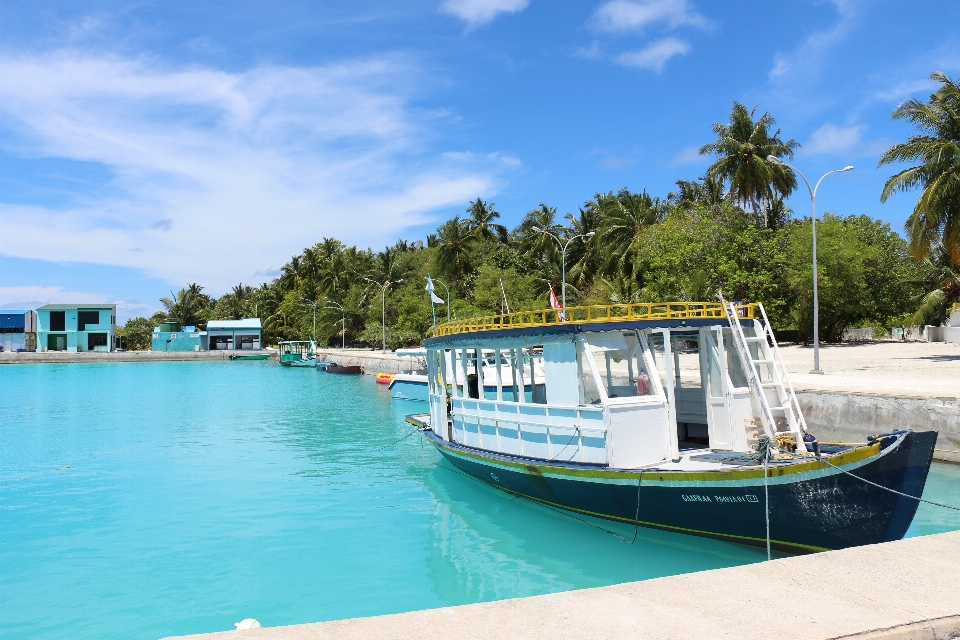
x=763, y=361
x=757, y=339
x=771, y=385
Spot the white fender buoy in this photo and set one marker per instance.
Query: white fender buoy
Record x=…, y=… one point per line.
x=247, y=623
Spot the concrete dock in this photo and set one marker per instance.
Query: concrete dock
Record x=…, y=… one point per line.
x=898, y=590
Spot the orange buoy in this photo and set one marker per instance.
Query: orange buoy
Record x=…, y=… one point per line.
x=385, y=378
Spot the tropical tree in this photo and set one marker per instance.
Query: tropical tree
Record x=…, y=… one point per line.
x=186, y=305
x=626, y=216
x=455, y=248
x=742, y=148
x=481, y=221
x=707, y=192
x=940, y=288
x=936, y=217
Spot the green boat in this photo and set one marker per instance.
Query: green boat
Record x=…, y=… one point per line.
x=252, y=356
x=298, y=353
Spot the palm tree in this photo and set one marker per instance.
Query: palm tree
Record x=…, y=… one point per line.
x=481, y=221
x=941, y=287
x=936, y=216
x=455, y=248
x=584, y=258
x=533, y=243
x=186, y=305
x=707, y=192
x=742, y=147
x=625, y=217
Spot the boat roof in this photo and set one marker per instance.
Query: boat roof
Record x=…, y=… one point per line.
x=559, y=324
x=412, y=352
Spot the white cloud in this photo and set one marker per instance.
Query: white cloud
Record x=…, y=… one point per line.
x=655, y=55
x=31, y=297
x=831, y=139
x=632, y=15
x=688, y=155
x=219, y=175
x=812, y=53
x=478, y=12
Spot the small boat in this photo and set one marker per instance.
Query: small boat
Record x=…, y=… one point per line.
x=298, y=353
x=385, y=378
x=323, y=364
x=411, y=383
x=350, y=369
x=252, y=356
x=677, y=416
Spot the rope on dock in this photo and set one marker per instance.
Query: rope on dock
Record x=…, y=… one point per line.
x=418, y=429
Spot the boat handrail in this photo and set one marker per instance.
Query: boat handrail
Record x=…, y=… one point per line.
x=596, y=314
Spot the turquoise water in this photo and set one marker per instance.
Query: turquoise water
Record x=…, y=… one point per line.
x=144, y=500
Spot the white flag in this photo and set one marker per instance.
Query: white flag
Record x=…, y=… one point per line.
x=433, y=297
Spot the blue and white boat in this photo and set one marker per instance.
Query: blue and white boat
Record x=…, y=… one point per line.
x=411, y=384
x=659, y=415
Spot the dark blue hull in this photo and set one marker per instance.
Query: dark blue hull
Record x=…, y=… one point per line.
x=813, y=507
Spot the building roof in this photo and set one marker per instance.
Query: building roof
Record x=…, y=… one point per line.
x=70, y=307
x=246, y=323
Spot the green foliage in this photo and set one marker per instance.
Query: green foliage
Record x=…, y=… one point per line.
x=137, y=332
x=729, y=231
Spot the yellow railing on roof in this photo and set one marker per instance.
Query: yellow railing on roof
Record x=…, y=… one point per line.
x=596, y=313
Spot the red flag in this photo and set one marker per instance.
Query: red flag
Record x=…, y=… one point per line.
x=554, y=303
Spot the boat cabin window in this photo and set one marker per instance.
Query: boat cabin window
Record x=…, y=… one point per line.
x=734, y=367
x=621, y=365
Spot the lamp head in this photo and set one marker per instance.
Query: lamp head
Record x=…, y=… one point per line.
x=591, y=234
x=775, y=160
x=537, y=229
x=849, y=167
x=399, y=281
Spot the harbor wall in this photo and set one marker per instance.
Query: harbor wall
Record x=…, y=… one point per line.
x=851, y=417
x=373, y=362
x=122, y=356
x=896, y=590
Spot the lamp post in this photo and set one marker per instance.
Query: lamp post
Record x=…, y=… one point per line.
x=343, y=319
x=314, y=304
x=563, y=259
x=813, y=221
x=383, y=306
x=448, y=296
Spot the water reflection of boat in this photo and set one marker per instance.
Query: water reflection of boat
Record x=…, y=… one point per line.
x=660, y=414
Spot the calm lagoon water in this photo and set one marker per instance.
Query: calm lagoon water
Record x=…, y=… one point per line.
x=144, y=500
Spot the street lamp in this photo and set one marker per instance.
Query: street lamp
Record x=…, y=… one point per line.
x=563, y=259
x=813, y=218
x=343, y=316
x=448, y=296
x=383, y=306
x=311, y=302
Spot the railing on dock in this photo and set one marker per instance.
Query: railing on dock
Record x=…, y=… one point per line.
x=596, y=313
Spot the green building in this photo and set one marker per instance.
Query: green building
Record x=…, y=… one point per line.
x=76, y=327
x=172, y=336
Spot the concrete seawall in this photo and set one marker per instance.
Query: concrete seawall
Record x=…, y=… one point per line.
x=122, y=356
x=851, y=417
x=892, y=591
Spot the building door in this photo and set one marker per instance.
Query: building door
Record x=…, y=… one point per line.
x=56, y=343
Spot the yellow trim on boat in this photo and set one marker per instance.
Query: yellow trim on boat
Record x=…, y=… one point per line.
x=597, y=313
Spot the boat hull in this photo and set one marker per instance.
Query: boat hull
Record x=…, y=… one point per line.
x=407, y=386
x=346, y=369
x=813, y=507
x=298, y=363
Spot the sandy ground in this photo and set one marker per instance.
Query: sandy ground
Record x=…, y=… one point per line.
x=919, y=369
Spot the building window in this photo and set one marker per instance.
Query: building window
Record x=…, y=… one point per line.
x=58, y=321
x=87, y=317
x=96, y=340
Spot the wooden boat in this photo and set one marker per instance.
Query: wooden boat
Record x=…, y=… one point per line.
x=252, y=356
x=661, y=415
x=385, y=378
x=351, y=369
x=323, y=364
x=297, y=353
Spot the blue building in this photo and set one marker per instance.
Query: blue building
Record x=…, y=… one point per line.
x=172, y=336
x=76, y=327
x=235, y=334
x=18, y=330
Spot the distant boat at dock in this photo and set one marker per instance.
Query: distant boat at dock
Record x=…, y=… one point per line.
x=298, y=353
x=661, y=415
x=350, y=369
x=252, y=356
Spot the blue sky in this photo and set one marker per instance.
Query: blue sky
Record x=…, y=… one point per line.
x=144, y=145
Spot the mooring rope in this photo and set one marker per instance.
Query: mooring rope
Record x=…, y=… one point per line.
x=880, y=486
x=400, y=440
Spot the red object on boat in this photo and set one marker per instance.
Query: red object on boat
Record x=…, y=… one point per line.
x=385, y=378
x=349, y=369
